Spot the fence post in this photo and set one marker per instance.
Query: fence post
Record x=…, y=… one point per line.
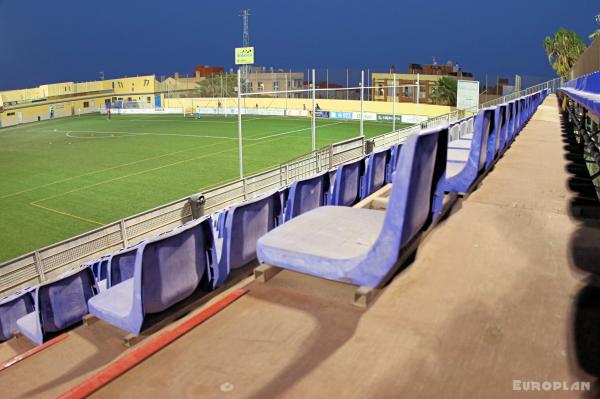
x=124, y=233
x=244, y=188
x=318, y=161
x=39, y=265
x=362, y=87
x=330, y=156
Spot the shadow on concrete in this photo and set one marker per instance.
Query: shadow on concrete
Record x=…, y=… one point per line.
x=335, y=322
x=584, y=255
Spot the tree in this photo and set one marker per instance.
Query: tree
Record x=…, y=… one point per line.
x=563, y=50
x=218, y=85
x=444, y=91
x=596, y=33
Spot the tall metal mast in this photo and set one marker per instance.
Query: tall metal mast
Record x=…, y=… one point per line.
x=245, y=40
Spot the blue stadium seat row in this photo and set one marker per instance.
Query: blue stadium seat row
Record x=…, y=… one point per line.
x=310, y=228
x=586, y=91
x=362, y=246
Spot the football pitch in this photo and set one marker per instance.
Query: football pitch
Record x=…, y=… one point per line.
x=63, y=177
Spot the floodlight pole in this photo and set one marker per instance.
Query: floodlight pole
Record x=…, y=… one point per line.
x=314, y=117
x=347, y=85
x=327, y=80
x=362, y=90
x=241, y=154
x=394, y=104
x=286, y=92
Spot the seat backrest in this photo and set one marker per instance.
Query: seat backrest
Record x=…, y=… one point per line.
x=504, y=126
x=409, y=205
x=393, y=163
x=375, y=172
x=455, y=132
x=346, y=183
x=500, y=122
x=470, y=125
x=12, y=308
x=307, y=194
x=63, y=302
x=478, y=153
x=121, y=265
x=103, y=269
x=171, y=266
x=492, y=143
x=245, y=224
x=463, y=128
x=512, y=109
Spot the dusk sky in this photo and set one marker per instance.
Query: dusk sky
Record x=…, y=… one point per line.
x=67, y=40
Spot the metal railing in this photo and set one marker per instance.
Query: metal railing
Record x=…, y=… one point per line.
x=47, y=263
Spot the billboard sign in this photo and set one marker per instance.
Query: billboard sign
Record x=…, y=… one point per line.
x=244, y=55
x=467, y=96
x=388, y=117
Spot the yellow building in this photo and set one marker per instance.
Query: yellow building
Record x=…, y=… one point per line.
x=406, y=90
x=58, y=100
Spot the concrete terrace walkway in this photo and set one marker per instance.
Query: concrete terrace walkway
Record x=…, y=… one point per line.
x=498, y=292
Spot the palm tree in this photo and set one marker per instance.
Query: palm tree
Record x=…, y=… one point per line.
x=563, y=50
x=444, y=91
x=217, y=85
x=596, y=33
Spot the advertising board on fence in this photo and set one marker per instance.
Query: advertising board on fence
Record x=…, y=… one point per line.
x=340, y=115
x=413, y=119
x=388, y=117
x=296, y=112
x=367, y=116
x=143, y=111
x=322, y=114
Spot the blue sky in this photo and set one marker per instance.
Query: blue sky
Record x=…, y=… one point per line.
x=67, y=40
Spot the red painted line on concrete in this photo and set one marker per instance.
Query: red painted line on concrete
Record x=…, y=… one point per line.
x=136, y=356
x=33, y=351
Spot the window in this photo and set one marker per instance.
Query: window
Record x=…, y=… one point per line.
x=407, y=91
x=10, y=114
x=146, y=82
x=260, y=86
x=422, y=92
x=148, y=100
x=249, y=86
x=276, y=85
x=380, y=89
x=86, y=104
x=113, y=85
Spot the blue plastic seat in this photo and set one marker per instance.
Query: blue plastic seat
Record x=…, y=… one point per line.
x=244, y=225
x=347, y=183
x=58, y=304
x=120, y=266
x=307, y=194
x=168, y=269
x=393, y=164
x=100, y=269
x=462, y=172
x=502, y=128
x=362, y=246
x=375, y=172
x=12, y=308
x=493, y=144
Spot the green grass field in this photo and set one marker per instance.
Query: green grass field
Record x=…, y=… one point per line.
x=64, y=177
